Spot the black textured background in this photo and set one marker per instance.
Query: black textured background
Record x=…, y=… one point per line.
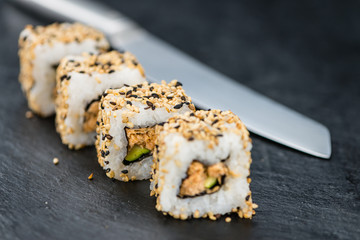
x=304, y=54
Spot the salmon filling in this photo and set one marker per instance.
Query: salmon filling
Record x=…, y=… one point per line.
x=90, y=117
x=202, y=179
x=141, y=143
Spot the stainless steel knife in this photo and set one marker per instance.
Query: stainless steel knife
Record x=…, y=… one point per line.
x=208, y=88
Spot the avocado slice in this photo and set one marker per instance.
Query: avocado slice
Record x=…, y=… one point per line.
x=135, y=153
x=210, y=182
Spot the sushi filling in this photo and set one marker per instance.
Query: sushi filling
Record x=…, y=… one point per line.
x=202, y=179
x=141, y=143
x=90, y=116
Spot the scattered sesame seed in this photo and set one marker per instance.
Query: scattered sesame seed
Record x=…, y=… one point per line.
x=56, y=161
x=90, y=177
x=29, y=114
x=228, y=219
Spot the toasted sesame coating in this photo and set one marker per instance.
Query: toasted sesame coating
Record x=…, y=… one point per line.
x=170, y=96
x=61, y=32
x=205, y=126
x=33, y=36
x=101, y=63
x=108, y=62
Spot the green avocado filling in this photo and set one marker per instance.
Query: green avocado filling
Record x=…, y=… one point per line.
x=136, y=152
x=210, y=182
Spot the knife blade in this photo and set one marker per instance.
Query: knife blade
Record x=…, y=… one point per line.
x=207, y=87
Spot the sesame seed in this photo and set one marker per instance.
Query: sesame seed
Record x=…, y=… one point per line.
x=149, y=103
x=178, y=106
x=63, y=77
x=90, y=177
x=29, y=114
x=56, y=161
x=108, y=136
x=228, y=219
x=154, y=95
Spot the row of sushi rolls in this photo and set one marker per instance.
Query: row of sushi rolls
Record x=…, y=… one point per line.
x=198, y=162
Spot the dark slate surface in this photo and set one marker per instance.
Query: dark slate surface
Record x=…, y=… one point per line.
x=304, y=54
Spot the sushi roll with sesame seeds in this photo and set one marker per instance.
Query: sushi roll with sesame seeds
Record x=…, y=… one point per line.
x=127, y=126
x=202, y=165
x=80, y=83
x=40, y=50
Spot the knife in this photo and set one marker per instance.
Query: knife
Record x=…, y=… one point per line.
x=207, y=87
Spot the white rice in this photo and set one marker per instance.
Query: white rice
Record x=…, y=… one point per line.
x=83, y=89
x=45, y=57
x=233, y=191
x=145, y=118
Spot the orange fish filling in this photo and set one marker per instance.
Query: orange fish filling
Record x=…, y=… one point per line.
x=198, y=176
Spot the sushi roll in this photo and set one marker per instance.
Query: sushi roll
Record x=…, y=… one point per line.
x=127, y=126
x=40, y=51
x=202, y=166
x=80, y=83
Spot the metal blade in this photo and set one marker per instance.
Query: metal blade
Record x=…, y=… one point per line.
x=208, y=88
